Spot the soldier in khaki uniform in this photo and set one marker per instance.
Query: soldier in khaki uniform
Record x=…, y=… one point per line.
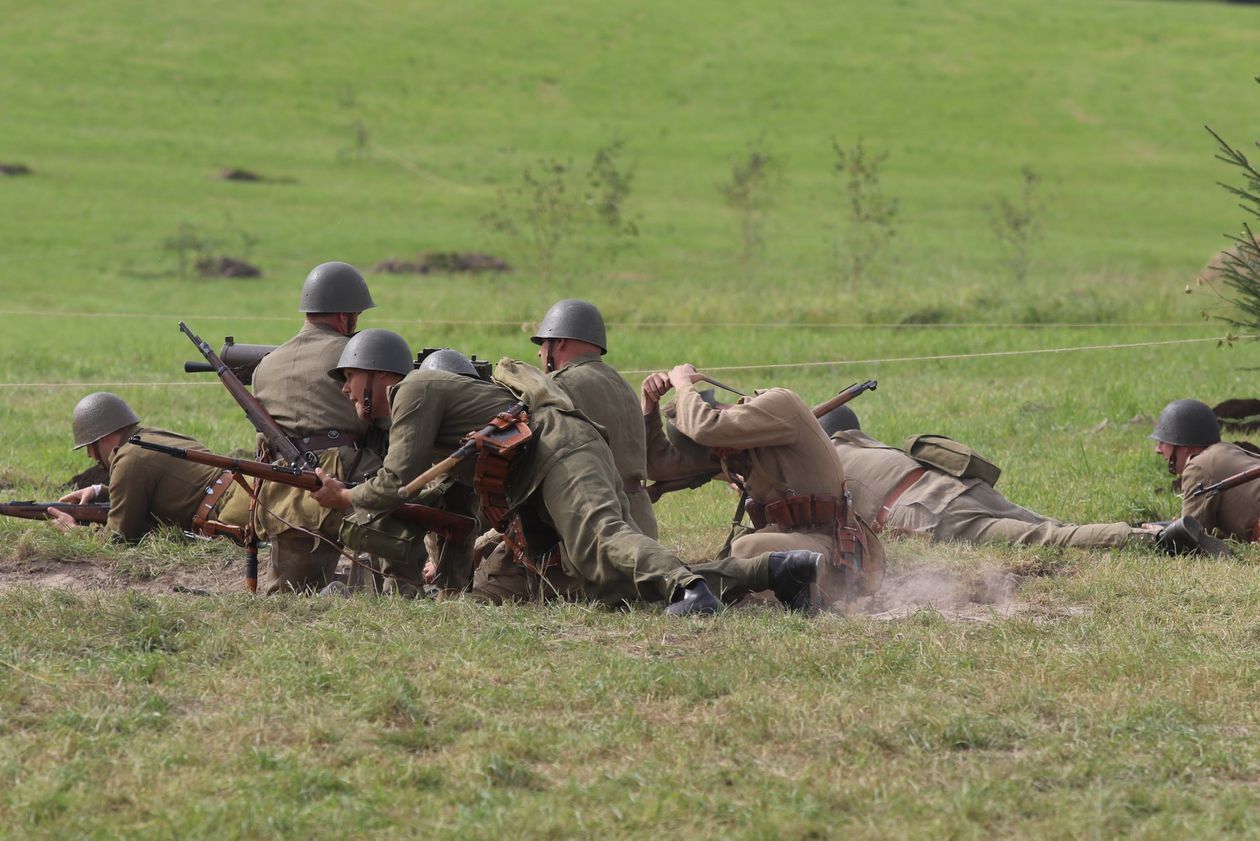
x=897, y=493
x=566, y=485
x=772, y=446
x=572, y=340
x=293, y=385
x=1189, y=440
x=146, y=489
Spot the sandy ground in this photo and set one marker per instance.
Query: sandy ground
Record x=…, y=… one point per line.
x=87, y=575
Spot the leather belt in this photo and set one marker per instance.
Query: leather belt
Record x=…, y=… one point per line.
x=632, y=486
x=798, y=511
x=214, y=492
x=885, y=510
x=328, y=440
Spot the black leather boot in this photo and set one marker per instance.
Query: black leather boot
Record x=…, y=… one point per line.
x=695, y=600
x=1185, y=536
x=791, y=573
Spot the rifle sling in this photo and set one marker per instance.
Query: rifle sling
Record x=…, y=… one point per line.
x=205, y=510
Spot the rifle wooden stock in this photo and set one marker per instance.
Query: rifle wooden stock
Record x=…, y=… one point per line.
x=844, y=397
x=505, y=420
x=1241, y=478
x=279, y=443
x=89, y=512
x=656, y=490
x=453, y=526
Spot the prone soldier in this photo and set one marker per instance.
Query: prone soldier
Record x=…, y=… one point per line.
x=146, y=490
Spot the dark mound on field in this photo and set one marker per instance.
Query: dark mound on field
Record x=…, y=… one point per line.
x=15, y=169
x=444, y=262
x=94, y=475
x=226, y=267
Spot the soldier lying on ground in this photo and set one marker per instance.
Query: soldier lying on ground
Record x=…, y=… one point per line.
x=1189, y=440
x=771, y=447
x=905, y=496
x=146, y=489
x=565, y=487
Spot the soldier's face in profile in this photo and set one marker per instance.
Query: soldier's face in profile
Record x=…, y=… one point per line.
x=1174, y=456
x=355, y=387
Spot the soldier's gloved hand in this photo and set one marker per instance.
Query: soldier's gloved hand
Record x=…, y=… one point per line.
x=655, y=387
x=332, y=493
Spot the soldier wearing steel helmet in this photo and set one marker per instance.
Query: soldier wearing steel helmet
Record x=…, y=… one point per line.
x=146, y=489
x=292, y=383
x=1188, y=437
x=571, y=340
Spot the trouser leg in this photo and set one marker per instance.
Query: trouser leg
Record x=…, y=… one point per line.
x=982, y=515
x=641, y=514
x=299, y=562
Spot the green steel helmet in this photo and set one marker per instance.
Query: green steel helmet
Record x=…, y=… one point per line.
x=374, y=350
x=1187, y=423
x=573, y=319
x=839, y=418
x=99, y=414
x=451, y=361
x=335, y=287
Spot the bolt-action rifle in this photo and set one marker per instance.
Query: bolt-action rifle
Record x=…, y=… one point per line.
x=845, y=396
x=87, y=512
x=277, y=441
x=1240, y=478
x=454, y=527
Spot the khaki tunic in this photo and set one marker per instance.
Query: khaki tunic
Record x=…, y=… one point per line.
x=566, y=480
x=149, y=489
x=1232, y=513
x=600, y=393
x=945, y=508
x=784, y=453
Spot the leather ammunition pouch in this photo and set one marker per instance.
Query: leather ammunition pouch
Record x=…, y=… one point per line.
x=496, y=451
x=328, y=440
x=383, y=536
x=797, y=512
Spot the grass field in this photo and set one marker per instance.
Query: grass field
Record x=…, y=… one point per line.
x=1082, y=695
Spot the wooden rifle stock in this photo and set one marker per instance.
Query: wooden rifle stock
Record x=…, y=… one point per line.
x=844, y=397
x=453, y=526
x=279, y=443
x=88, y=512
x=1241, y=478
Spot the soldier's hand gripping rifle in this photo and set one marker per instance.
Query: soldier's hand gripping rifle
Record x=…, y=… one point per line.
x=86, y=512
x=1240, y=478
x=452, y=526
x=505, y=433
x=277, y=441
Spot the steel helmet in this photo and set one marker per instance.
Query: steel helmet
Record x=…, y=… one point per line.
x=1187, y=423
x=335, y=287
x=573, y=319
x=374, y=350
x=99, y=414
x=451, y=361
x=838, y=419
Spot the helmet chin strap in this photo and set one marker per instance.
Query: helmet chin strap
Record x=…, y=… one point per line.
x=366, y=400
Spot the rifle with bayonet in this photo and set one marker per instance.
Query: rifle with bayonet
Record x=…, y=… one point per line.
x=86, y=512
x=454, y=527
x=1240, y=478
x=277, y=441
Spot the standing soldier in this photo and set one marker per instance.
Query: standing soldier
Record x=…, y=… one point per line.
x=146, y=489
x=571, y=340
x=293, y=385
x=1189, y=440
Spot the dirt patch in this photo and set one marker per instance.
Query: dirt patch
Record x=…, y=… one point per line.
x=15, y=169
x=226, y=267
x=444, y=262
x=977, y=596
x=233, y=174
x=87, y=575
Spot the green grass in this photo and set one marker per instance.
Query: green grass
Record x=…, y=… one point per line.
x=1115, y=697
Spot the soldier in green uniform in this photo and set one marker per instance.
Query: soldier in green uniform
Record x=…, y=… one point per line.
x=1188, y=437
x=771, y=445
x=572, y=341
x=565, y=484
x=293, y=385
x=146, y=489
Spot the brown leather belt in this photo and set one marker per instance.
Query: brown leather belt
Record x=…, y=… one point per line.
x=885, y=510
x=632, y=486
x=328, y=440
x=214, y=492
x=797, y=512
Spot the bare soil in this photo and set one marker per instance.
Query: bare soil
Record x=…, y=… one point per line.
x=444, y=262
x=978, y=596
x=87, y=575
x=224, y=266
